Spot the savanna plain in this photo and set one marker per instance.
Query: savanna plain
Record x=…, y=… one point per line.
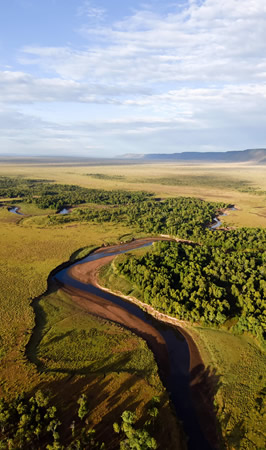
x=71, y=379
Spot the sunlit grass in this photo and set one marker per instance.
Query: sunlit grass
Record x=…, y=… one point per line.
x=74, y=351
x=240, y=365
x=27, y=256
x=29, y=250
x=221, y=182
x=73, y=341
x=237, y=361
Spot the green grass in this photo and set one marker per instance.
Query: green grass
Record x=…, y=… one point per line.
x=108, y=275
x=73, y=341
x=32, y=209
x=29, y=250
x=74, y=352
x=239, y=365
x=27, y=256
x=114, y=367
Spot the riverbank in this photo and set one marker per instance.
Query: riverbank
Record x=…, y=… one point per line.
x=202, y=384
x=233, y=375
x=201, y=381
x=88, y=273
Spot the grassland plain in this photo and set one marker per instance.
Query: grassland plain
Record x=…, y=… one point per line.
x=115, y=368
x=29, y=253
x=27, y=256
x=240, y=184
x=73, y=352
x=239, y=364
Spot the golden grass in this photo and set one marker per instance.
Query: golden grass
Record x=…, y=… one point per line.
x=27, y=256
x=111, y=376
x=29, y=253
x=252, y=207
x=240, y=367
x=76, y=352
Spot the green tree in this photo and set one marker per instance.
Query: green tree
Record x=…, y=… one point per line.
x=83, y=406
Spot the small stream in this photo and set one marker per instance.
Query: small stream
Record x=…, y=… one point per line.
x=15, y=210
x=64, y=211
x=217, y=222
x=177, y=378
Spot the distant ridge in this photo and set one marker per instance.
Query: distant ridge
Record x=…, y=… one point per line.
x=255, y=156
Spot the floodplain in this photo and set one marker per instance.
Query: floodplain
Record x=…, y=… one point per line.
x=76, y=353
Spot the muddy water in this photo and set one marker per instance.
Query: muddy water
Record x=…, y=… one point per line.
x=173, y=366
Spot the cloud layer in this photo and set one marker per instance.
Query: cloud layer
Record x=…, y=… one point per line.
x=190, y=79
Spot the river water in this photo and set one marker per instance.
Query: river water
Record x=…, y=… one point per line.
x=177, y=378
x=15, y=210
x=64, y=211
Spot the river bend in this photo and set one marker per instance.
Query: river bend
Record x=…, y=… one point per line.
x=167, y=343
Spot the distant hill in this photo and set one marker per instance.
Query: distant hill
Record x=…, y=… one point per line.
x=253, y=156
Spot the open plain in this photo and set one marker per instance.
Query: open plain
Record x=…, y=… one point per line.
x=46, y=339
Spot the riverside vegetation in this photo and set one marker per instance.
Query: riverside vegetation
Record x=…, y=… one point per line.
x=109, y=374
x=204, y=284
x=217, y=283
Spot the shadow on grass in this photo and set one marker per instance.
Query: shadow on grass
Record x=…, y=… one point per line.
x=40, y=315
x=205, y=382
x=102, y=366
x=40, y=323
x=106, y=404
x=237, y=434
x=113, y=362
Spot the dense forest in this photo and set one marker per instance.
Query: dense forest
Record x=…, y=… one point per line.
x=183, y=216
x=56, y=196
x=202, y=283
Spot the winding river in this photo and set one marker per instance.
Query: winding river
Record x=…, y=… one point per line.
x=169, y=346
x=172, y=348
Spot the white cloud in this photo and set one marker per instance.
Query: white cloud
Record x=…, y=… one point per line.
x=192, y=78
x=90, y=11
x=21, y=87
x=135, y=134
x=215, y=41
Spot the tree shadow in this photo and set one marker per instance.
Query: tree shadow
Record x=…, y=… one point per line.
x=102, y=396
x=122, y=399
x=37, y=332
x=101, y=366
x=237, y=434
x=204, y=384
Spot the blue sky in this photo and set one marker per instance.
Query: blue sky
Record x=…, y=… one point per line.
x=106, y=78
